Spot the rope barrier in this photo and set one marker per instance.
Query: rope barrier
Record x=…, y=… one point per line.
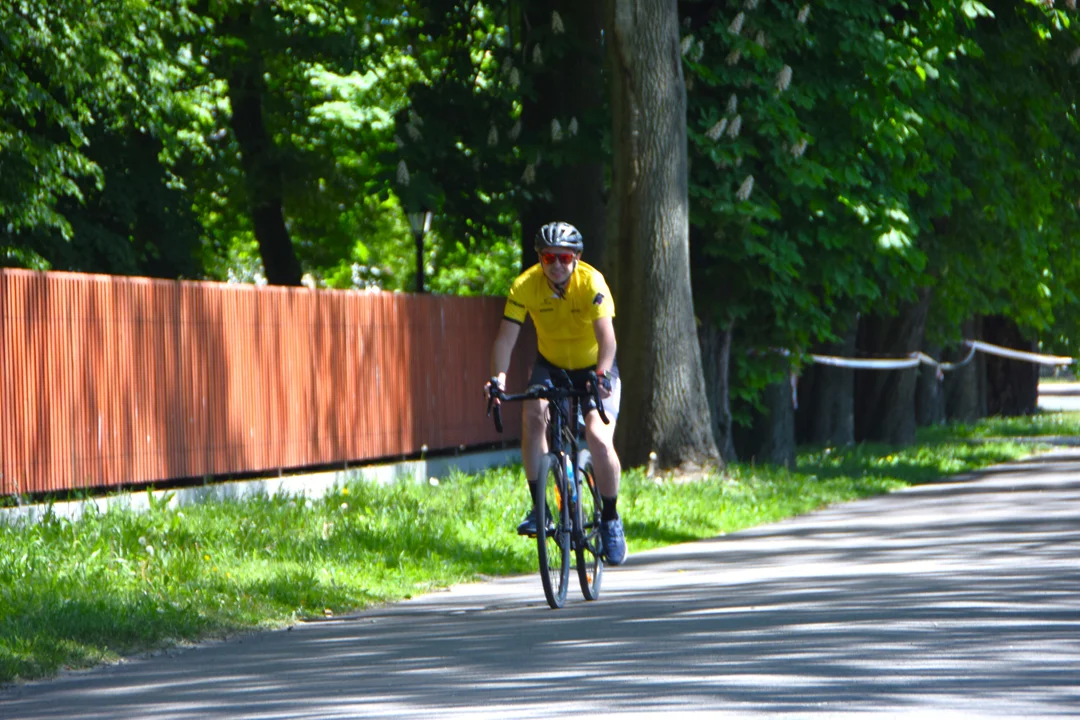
x=917, y=358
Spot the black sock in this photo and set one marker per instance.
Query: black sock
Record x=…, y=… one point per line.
x=607, y=508
x=532, y=496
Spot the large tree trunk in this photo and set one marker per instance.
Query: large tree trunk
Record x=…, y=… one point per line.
x=826, y=411
x=965, y=387
x=885, y=399
x=259, y=160
x=930, y=391
x=716, y=365
x=770, y=439
x=664, y=403
x=1012, y=386
x=568, y=86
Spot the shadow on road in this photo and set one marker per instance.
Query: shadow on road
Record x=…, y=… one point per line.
x=961, y=595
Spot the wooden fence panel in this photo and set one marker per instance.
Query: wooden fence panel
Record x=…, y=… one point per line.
x=111, y=381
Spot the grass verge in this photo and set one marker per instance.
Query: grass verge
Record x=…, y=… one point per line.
x=75, y=594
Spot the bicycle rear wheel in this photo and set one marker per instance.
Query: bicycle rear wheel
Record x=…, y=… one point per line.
x=590, y=566
x=553, y=545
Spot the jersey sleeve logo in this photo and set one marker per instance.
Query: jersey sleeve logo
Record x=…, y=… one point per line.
x=599, y=299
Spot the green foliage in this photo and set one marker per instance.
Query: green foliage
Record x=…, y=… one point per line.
x=67, y=81
x=918, y=144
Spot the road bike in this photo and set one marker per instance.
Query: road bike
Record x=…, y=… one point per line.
x=565, y=494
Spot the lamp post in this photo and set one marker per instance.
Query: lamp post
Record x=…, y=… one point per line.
x=420, y=222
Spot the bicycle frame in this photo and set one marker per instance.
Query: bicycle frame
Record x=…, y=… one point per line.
x=572, y=532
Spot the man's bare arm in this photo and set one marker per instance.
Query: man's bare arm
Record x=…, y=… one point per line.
x=605, y=339
x=502, y=350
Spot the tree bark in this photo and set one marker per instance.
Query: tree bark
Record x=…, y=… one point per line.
x=885, y=399
x=826, y=411
x=965, y=387
x=259, y=161
x=567, y=86
x=716, y=365
x=770, y=439
x=664, y=402
x=930, y=392
x=1012, y=386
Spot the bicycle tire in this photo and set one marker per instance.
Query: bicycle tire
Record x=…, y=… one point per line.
x=589, y=549
x=553, y=546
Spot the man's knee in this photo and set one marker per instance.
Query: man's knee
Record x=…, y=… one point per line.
x=533, y=415
x=599, y=436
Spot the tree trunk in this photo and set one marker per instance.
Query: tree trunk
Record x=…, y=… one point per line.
x=567, y=86
x=965, y=387
x=716, y=365
x=1012, y=386
x=885, y=399
x=261, y=166
x=930, y=392
x=826, y=411
x=770, y=439
x=664, y=403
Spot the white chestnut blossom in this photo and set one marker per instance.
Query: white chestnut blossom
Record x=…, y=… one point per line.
x=529, y=176
x=736, y=25
x=493, y=136
x=515, y=131
x=515, y=78
x=732, y=104
x=538, y=56
x=686, y=44
x=804, y=13
x=735, y=127
x=716, y=130
x=750, y=4
x=557, y=26
x=733, y=57
x=556, y=130
x=799, y=148
x=1075, y=57
x=783, y=78
x=572, y=128
x=403, y=174
x=746, y=188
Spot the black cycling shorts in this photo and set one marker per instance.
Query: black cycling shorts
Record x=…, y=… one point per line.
x=542, y=370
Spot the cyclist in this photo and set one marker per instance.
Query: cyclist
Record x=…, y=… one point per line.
x=572, y=310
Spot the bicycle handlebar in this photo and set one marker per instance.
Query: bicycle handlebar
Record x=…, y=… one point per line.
x=543, y=392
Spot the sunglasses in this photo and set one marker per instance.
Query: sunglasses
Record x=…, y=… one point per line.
x=564, y=258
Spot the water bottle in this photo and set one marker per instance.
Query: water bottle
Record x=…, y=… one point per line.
x=570, y=477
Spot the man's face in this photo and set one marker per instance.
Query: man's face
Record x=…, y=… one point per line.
x=558, y=264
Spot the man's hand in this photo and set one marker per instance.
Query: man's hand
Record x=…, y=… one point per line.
x=498, y=382
x=603, y=379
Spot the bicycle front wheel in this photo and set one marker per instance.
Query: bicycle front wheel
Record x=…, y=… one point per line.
x=553, y=541
x=590, y=566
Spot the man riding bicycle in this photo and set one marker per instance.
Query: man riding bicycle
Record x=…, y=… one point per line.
x=572, y=310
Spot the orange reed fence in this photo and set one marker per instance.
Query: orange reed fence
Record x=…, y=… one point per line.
x=109, y=381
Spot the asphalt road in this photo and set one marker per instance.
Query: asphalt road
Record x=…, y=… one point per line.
x=960, y=599
x=1059, y=396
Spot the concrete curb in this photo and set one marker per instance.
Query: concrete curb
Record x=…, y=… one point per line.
x=311, y=485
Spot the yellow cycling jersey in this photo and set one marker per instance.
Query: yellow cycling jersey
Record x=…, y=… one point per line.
x=564, y=325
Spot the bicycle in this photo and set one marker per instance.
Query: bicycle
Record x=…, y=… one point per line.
x=566, y=484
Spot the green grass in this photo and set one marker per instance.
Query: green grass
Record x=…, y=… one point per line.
x=82, y=593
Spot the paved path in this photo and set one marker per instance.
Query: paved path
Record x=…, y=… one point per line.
x=1056, y=397
x=960, y=599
